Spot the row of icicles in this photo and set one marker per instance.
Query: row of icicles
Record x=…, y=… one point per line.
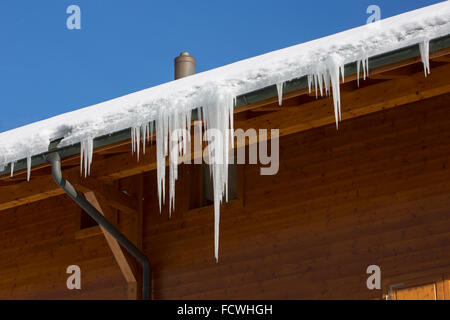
x=172, y=131
x=326, y=77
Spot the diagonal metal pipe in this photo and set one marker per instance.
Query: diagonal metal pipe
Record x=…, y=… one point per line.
x=79, y=198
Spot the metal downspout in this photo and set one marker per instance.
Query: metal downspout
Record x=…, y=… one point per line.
x=79, y=198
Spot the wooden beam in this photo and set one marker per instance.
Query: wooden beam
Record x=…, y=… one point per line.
x=110, y=195
x=395, y=74
x=44, y=187
x=119, y=255
x=442, y=59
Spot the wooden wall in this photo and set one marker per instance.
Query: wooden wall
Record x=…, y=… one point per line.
x=37, y=244
x=375, y=192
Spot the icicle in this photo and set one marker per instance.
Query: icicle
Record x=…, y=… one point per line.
x=144, y=129
x=320, y=77
x=334, y=68
x=358, y=71
x=341, y=68
x=280, y=92
x=364, y=68
x=315, y=85
x=133, y=140
x=310, y=79
x=327, y=78
x=364, y=62
x=137, y=138
x=161, y=136
x=171, y=140
x=12, y=169
x=425, y=55
x=28, y=168
x=217, y=120
x=86, y=154
x=173, y=166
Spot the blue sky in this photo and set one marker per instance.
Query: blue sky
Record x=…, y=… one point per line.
x=128, y=45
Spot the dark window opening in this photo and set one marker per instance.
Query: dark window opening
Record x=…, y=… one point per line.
x=208, y=190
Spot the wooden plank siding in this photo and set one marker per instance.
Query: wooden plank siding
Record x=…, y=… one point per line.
x=375, y=192
x=37, y=244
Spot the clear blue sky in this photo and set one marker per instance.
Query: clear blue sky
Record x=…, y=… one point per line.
x=127, y=45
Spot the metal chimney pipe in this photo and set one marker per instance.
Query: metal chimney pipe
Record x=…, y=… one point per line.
x=184, y=65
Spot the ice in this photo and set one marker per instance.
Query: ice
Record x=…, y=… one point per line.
x=310, y=81
x=334, y=70
x=145, y=129
x=425, y=55
x=28, y=168
x=280, y=86
x=86, y=153
x=12, y=169
x=136, y=140
x=147, y=134
x=218, y=119
x=364, y=62
x=171, y=140
x=326, y=77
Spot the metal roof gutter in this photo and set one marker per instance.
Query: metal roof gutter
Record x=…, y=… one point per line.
x=243, y=100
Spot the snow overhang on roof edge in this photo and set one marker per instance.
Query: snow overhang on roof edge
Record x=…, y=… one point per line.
x=236, y=79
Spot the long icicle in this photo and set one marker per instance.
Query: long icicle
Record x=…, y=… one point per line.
x=218, y=121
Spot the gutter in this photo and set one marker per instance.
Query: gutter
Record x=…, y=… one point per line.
x=55, y=159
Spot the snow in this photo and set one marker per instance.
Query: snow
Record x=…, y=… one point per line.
x=167, y=108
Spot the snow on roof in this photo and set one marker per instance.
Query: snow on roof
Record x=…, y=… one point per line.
x=237, y=78
x=213, y=91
